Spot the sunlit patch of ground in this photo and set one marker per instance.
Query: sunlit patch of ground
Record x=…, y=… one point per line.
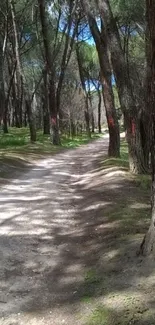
x=70, y=228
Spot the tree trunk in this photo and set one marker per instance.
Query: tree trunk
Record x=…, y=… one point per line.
x=54, y=126
x=31, y=120
x=73, y=129
x=87, y=118
x=46, y=121
x=82, y=79
x=51, y=76
x=124, y=87
x=108, y=98
x=106, y=76
x=5, y=119
x=133, y=136
x=45, y=105
x=92, y=122
x=99, y=112
x=66, y=55
x=113, y=127
x=18, y=73
x=148, y=244
x=2, y=90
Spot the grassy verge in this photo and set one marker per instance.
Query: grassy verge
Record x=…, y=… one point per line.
x=109, y=295
x=142, y=181
x=122, y=162
x=16, y=150
x=19, y=140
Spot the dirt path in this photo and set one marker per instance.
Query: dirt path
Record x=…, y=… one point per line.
x=62, y=252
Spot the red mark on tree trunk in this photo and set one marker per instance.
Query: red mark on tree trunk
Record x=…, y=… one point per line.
x=53, y=120
x=133, y=127
x=111, y=122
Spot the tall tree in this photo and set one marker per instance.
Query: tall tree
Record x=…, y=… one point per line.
x=148, y=244
x=84, y=88
x=51, y=74
x=106, y=79
x=3, y=40
x=126, y=96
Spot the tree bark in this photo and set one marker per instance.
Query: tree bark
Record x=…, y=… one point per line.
x=87, y=116
x=2, y=90
x=45, y=104
x=31, y=120
x=133, y=136
x=99, y=111
x=54, y=125
x=106, y=76
x=131, y=113
x=18, y=73
x=92, y=122
x=148, y=244
x=108, y=96
x=83, y=84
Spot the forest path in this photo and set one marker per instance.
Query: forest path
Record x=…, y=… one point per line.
x=55, y=234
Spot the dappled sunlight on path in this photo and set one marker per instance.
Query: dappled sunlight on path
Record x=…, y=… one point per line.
x=57, y=222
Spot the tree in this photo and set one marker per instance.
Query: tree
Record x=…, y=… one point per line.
x=106, y=79
x=80, y=60
x=3, y=40
x=124, y=86
x=148, y=244
x=51, y=74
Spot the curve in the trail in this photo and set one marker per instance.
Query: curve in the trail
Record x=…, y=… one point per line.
x=48, y=234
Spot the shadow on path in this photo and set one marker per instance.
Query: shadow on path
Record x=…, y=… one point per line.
x=61, y=242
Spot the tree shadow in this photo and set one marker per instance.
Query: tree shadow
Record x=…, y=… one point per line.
x=69, y=233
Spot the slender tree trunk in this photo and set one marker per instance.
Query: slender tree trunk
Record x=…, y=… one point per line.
x=106, y=76
x=46, y=120
x=72, y=126
x=19, y=76
x=87, y=116
x=66, y=55
x=82, y=79
x=45, y=105
x=31, y=120
x=92, y=122
x=53, y=113
x=99, y=110
x=51, y=76
x=2, y=90
x=5, y=121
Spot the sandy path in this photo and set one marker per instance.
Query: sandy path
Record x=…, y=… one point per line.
x=46, y=224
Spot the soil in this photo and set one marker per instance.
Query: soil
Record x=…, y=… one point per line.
x=69, y=233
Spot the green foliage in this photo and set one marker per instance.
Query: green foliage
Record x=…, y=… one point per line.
x=129, y=11
x=89, y=59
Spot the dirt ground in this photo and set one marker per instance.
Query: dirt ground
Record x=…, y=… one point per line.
x=69, y=232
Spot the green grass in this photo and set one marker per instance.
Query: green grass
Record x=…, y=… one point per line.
x=91, y=277
x=122, y=162
x=93, y=285
x=131, y=216
x=144, y=182
x=16, y=150
x=106, y=316
x=100, y=316
x=19, y=139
